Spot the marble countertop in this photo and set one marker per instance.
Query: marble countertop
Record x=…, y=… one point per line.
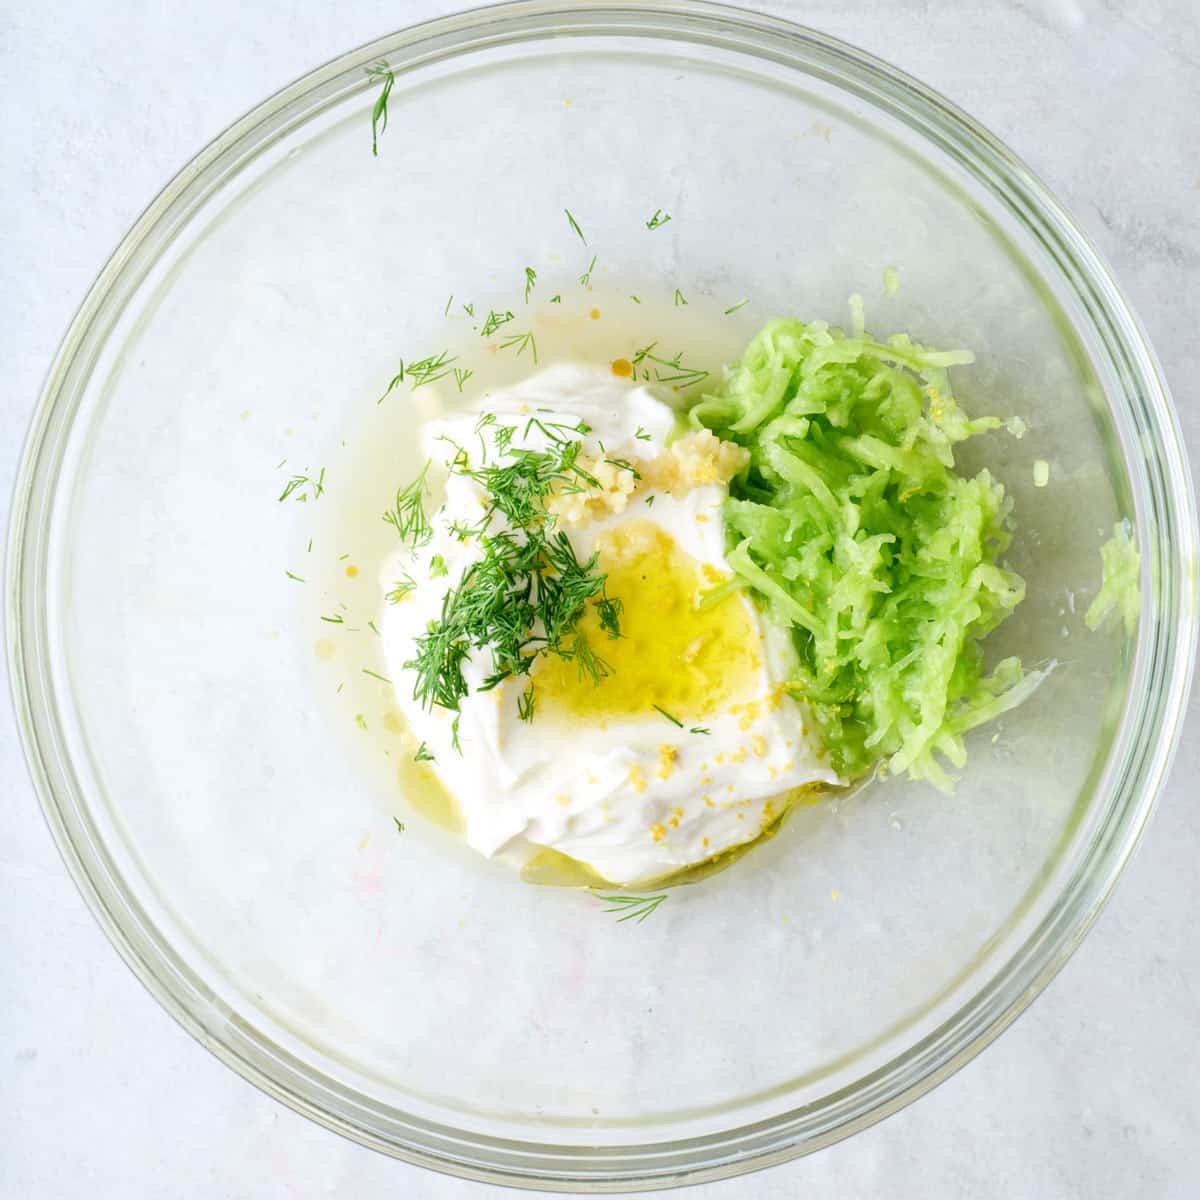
x=1090, y=1094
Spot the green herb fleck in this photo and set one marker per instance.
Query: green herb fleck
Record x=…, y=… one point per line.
x=469, y=309
x=586, y=277
x=376, y=675
x=423, y=754
x=527, y=703
x=407, y=515
x=634, y=298
x=699, y=729
x=633, y=908
x=663, y=712
x=295, y=577
x=642, y=435
x=659, y=218
x=494, y=321
x=680, y=299
x=522, y=342
x=336, y=619
x=401, y=589
x=380, y=71
x=461, y=375
x=734, y=307
x=446, y=310
x=304, y=486
x=437, y=566
x=360, y=720
x=399, y=824
x=556, y=299
x=667, y=370
x=530, y=281
x=374, y=628
x=575, y=226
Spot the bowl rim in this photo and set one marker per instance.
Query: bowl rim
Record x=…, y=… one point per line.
x=1165, y=648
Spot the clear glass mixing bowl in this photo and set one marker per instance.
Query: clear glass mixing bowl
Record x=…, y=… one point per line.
x=231, y=822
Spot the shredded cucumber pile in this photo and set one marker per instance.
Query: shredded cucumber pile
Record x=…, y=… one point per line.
x=853, y=528
x=1120, y=585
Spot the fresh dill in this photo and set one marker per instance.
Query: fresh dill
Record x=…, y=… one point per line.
x=393, y=383
x=360, y=720
x=336, y=619
x=407, y=514
x=303, y=487
x=734, y=307
x=642, y=435
x=423, y=754
x=400, y=589
x=469, y=309
x=575, y=226
x=454, y=734
x=437, y=566
x=556, y=299
x=586, y=277
x=461, y=375
x=374, y=628
x=663, y=712
x=699, y=729
x=666, y=370
x=659, y=218
x=431, y=369
x=624, y=465
x=530, y=282
x=399, y=824
x=295, y=577
x=376, y=675
x=522, y=342
x=446, y=310
x=527, y=703
x=650, y=500
x=680, y=299
x=632, y=908
x=382, y=73
x=310, y=541
x=494, y=321
x=524, y=597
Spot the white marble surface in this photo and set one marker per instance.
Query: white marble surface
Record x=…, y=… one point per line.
x=1094, y=1093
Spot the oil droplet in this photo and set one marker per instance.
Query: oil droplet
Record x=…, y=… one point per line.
x=325, y=649
x=622, y=368
x=594, y=314
x=351, y=571
x=393, y=722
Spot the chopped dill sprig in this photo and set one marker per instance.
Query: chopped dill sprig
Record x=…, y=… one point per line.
x=524, y=597
x=461, y=375
x=734, y=307
x=633, y=908
x=407, y=514
x=699, y=729
x=304, y=486
x=469, y=309
x=634, y=298
x=336, y=619
x=494, y=321
x=376, y=675
x=360, y=720
x=423, y=754
x=380, y=71
x=374, y=628
x=675, y=371
x=295, y=577
x=556, y=299
x=437, y=566
x=575, y=226
x=663, y=712
x=624, y=465
x=659, y=218
x=680, y=299
x=400, y=589
x=399, y=824
x=586, y=277
x=530, y=282
x=522, y=342
x=642, y=435
x=527, y=704
x=446, y=310
x=431, y=369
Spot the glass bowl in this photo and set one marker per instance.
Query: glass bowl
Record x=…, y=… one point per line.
x=226, y=783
